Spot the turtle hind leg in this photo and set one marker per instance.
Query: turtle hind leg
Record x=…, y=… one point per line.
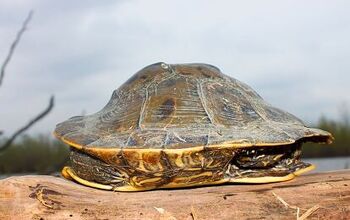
x=91, y=171
x=68, y=173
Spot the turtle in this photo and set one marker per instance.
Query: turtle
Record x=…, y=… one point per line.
x=185, y=125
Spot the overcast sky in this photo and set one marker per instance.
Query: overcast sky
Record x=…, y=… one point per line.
x=295, y=54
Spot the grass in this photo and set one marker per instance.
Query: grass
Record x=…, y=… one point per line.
x=40, y=154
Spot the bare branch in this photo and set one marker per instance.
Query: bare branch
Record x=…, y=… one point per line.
x=2, y=74
x=30, y=123
x=14, y=44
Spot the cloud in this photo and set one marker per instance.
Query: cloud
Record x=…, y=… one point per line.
x=295, y=54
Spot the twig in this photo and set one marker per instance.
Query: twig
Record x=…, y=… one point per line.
x=14, y=44
x=165, y=214
x=40, y=196
x=309, y=212
x=160, y=210
x=284, y=202
x=193, y=213
x=30, y=123
x=303, y=216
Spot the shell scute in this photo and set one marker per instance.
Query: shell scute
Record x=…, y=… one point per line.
x=229, y=106
x=176, y=105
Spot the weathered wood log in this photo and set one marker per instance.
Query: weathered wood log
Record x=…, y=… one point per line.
x=314, y=196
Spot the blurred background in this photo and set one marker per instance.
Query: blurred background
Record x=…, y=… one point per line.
x=295, y=54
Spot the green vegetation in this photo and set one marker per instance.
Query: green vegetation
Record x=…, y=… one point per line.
x=44, y=155
x=40, y=154
x=341, y=145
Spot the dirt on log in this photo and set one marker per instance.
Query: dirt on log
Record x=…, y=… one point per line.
x=313, y=196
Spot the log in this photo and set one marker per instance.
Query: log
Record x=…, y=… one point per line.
x=313, y=196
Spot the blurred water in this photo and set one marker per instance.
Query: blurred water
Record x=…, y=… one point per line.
x=328, y=164
x=322, y=164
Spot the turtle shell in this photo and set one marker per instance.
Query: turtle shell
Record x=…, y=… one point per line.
x=184, y=106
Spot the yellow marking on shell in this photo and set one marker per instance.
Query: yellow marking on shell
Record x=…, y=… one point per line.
x=176, y=183
x=265, y=163
x=304, y=170
x=69, y=173
x=278, y=157
x=190, y=159
x=65, y=174
x=129, y=188
x=150, y=160
x=141, y=166
x=144, y=169
x=272, y=179
x=224, y=145
x=190, y=163
x=176, y=155
x=266, y=179
x=159, y=164
x=158, y=174
x=189, y=178
x=193, y=168
x=160, y=167
x=179, y=160
x=145, y=181
x=209, y=162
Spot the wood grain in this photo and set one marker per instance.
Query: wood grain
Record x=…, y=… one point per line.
x=313, y=196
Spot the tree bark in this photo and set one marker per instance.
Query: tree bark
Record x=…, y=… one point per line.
x=313, y=196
